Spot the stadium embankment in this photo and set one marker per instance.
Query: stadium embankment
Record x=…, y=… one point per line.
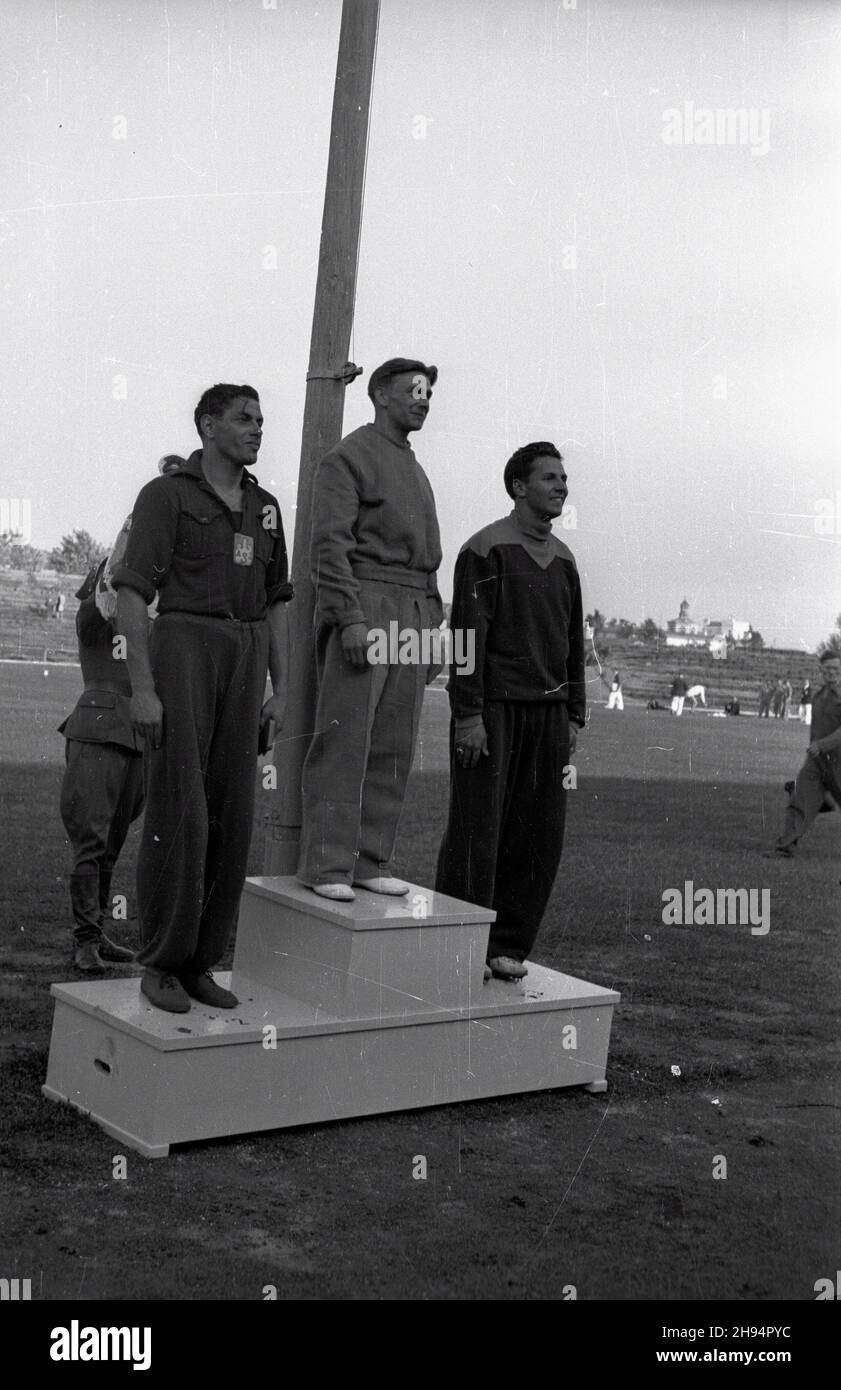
x=28, y=632
x=648, y=671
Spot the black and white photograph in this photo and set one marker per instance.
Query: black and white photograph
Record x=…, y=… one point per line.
x=420, y=654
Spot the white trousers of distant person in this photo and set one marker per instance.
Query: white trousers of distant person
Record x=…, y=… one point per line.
x=615, y=700
x=805, y=713
x=677, y=704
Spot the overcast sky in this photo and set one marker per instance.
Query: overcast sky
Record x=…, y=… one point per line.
x=588, y=252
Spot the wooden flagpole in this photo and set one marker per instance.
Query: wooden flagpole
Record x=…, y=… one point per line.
x=328, y=375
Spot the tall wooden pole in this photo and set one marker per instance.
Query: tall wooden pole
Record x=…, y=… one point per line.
x=327, y=378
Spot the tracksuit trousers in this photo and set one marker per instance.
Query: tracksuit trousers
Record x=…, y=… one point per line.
x=359, y=760
x=807, y=797
x=505, y=832
x=101, y=794
x=210, y=676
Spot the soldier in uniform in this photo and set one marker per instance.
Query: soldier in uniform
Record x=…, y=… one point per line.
x=102, y=789
x=208, y=540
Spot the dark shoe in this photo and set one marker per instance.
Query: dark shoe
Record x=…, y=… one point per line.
x=788, y=787
x=87, y=960
x=488, y=974
x=165, y=992
x=506, y=968
x=204, y=988
x=778, y=852
x=109, y=950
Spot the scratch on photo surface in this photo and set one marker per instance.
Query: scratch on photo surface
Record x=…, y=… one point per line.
x=799, y=535
x=547, y=1228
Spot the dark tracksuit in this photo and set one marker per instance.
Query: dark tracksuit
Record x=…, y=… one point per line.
x=375, y=553
x=520, y=593
x=102, y=788
x=818, y=774
x=216, y=573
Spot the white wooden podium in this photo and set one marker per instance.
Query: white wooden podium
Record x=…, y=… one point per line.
x=346, y=1009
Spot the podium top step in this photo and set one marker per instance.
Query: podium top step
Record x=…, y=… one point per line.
x=420, y=907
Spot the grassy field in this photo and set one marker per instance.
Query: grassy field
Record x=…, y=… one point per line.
x=614, y=1193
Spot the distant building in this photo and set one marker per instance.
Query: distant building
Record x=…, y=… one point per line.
x=712, y=633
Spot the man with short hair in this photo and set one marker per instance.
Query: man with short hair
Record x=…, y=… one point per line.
x=375, y=556
x=209, y=541
x=821, y=772
x=515, y=719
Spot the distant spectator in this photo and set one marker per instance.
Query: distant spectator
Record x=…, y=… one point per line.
x=766, y=690
x=58, y=609
x=678, y=693
x=732, y=707
x=778, y=699
x=787, y=694
x=804, y=708
x=615, y=700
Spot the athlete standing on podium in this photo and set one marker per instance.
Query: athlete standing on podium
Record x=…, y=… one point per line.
x=209, y=540
x=516, y=716
x=375, y=556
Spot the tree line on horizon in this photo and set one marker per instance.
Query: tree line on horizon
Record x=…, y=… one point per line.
x=76, y=554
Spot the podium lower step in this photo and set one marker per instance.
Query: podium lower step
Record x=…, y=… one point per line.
x=153, y=1079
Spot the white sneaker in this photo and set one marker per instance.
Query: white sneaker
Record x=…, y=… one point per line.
x=339, y=892
x=394, y=886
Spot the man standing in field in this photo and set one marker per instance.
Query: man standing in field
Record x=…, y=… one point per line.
x=209, y=541
x=804, y=708
x=821, y=772
x=678, y=693
x=102, y=788
x=766, y=691
x=615, y=700
x=375, y=556
x=516, y=717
